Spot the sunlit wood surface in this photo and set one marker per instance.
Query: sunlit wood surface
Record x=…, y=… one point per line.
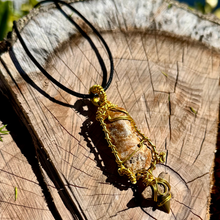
x=166, y=76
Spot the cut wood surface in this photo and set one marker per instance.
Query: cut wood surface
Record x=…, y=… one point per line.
x=166, y=76
x=17, y=175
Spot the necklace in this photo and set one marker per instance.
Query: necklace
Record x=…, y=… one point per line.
x=135, y=154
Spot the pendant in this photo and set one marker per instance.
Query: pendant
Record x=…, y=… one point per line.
x=135, y=154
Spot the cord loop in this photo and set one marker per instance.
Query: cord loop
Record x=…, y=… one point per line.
x=105, y=84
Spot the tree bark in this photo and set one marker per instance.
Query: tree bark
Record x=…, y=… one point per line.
x=166, y=76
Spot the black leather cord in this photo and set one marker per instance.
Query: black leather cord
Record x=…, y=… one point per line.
x=105, y=84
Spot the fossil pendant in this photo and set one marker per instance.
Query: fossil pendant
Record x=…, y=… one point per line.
x=135, y=154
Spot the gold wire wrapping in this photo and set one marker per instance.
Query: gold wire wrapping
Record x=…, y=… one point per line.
x=100, y=100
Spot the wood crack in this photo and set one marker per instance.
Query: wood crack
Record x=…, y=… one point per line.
x=189, y=209
x=177, y=77
x=145, y=53
x=181, y=149
x=201, y=146
x=25, y=206
x=197, y=177
x=173, y=213
x=179, y=176
x=170, y=128
x=148, y=213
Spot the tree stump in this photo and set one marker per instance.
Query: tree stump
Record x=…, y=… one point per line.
x=166, y=76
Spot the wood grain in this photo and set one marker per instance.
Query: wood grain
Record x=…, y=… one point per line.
x=18, y=172
x=164, y=77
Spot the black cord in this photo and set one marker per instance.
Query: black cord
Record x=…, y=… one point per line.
x=101, y=62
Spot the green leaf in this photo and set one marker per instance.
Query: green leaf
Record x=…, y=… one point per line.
x=16, y=193
x=8, y=15
x=27, y=6
x=3, y=132
x=169, y=6
x=193, y=110
x=5, y=12
x=2, y=127
x=163, y=73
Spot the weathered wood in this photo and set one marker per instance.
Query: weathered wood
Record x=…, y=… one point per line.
x=164, y=76
x=17, y=172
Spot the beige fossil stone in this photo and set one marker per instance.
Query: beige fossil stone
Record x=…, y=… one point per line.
x=127, y=140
